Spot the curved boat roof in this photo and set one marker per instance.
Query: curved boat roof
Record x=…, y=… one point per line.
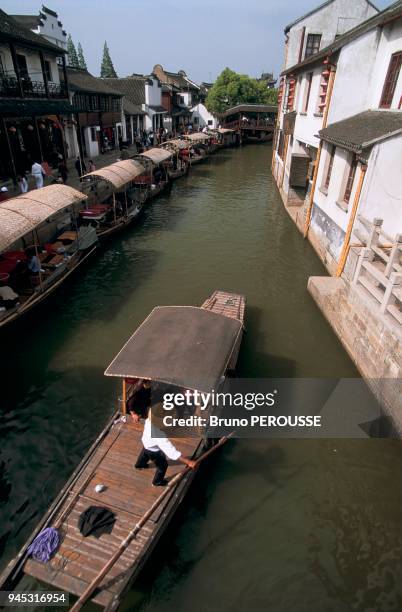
x=177, y=144
x=184, y=346
x=20, y=215
x=118, y=174
x=198, y=136
x=157, y=155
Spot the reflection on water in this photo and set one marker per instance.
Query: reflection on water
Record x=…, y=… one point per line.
x=269, y=525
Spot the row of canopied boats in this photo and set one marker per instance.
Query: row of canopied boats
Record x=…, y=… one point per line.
x=48, y=233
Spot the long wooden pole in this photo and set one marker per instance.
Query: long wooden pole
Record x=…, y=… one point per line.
x=346, y=242
x=126, y=542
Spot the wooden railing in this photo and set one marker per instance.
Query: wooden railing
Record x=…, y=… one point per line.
x=378, y=268
x=241, y=124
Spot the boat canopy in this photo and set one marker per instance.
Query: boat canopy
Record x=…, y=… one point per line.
x=224, y=130
x=177, y=144
x=157, y=155
x=118, y=174
x=184, y=346
x=198, y=136
x=20, y=215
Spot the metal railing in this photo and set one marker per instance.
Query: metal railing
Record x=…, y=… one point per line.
x=9, y=87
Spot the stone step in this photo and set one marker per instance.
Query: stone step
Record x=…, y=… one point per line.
x=396, y=313
x=372, y=289
x=376, y=270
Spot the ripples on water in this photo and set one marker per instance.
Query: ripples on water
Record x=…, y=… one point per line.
x=270, y=525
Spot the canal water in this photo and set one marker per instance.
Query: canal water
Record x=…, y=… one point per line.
x=270, y=524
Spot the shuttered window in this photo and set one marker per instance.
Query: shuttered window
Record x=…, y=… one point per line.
x=313, y=44
x=350, y=179
x=307, y=91
x=391, y=80
x=330, y=165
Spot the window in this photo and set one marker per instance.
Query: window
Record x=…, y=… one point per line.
x=331, y=155
x=48, y=71
x=307, y=90
x=350, y=179
x=22, y=66
x=93, y=134
x=391, y=80
x=210, y=121
x=281, y=142
x=313, y=44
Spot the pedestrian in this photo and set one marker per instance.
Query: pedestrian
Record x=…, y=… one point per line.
x=92, y=166
x=23, y=183
x=63, y=170
x=38, y=173
x=80, y=166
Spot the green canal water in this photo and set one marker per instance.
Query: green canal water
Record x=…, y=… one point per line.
x=270, y=524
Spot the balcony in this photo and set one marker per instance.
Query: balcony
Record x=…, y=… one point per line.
x=9, y=88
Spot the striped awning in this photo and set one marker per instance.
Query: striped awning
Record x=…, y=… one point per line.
x=118, y=174
x=21, y=215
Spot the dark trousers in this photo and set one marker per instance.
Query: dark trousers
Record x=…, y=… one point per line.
x=158, y=459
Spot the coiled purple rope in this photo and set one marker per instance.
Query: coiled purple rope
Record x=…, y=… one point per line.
x=44, y=545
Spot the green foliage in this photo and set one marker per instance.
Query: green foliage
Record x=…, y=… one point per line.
x=72, y=53
x=232, y=88
x=107, y=68
x=81, y=59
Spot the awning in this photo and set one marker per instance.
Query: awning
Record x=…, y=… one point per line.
x=157, y=155
x=198, y=137
x=180, y=345
x=33, y=108
x=20, y=215
x=224, y=130
x=119, y=173
x=362, y=131
x=157, y=109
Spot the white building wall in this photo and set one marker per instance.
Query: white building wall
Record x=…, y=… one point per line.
x=203, y=116
x=351, y=93
x=52, y=31
x=335, y=18
x=382, y=195
x=390, y=42
x=153, y=93
x=307, y=125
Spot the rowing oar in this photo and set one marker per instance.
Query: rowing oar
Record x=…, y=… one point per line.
x=145, y=517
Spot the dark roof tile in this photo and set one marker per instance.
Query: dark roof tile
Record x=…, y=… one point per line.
x=363, y=130
x=11, y=29
x=82, y=80
x=132, y=87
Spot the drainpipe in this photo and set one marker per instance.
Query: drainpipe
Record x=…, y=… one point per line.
x=317, y=162
x=346, y=243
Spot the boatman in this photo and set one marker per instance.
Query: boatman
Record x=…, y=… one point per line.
x=156, y=446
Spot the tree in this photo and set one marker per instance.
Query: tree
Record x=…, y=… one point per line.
x=72, y=53
x=81, y=59
x=232, y=88
x=107, y=68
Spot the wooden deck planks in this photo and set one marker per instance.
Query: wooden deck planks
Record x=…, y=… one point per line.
x=128, y=494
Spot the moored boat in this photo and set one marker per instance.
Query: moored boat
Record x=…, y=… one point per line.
x=114, y=199
x=183, y=348
x=156, y=177
x=41, y=244
x=178, y=165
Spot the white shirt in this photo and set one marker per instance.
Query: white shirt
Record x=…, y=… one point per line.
x=36, y=169
x=161, y=442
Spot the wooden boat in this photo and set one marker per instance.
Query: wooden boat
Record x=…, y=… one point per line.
x=178, y=165
x=114, y=201
x=44, y=223
x=156, y=176
x=200, y=147
x=181, y=346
